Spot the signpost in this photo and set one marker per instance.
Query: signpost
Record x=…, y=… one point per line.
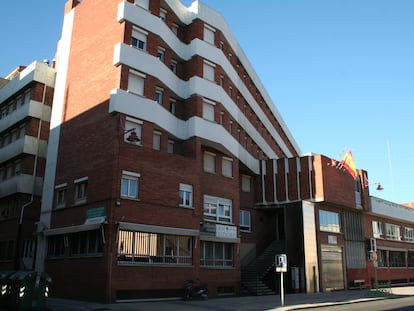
x=281, y=266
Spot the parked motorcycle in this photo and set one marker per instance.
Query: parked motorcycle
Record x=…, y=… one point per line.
x=195, y=291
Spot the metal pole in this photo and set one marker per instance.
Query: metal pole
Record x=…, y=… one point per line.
x=282, y=293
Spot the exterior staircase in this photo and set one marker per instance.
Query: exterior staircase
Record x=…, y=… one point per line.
x=252, y=276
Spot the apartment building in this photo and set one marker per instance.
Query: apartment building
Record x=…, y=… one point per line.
x=26, y=96
x=158, y=130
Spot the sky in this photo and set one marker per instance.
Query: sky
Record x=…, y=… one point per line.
x=341, y=73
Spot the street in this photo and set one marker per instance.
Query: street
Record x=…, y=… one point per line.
x=401, y=304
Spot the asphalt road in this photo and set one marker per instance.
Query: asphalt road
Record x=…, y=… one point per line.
x=400, y=304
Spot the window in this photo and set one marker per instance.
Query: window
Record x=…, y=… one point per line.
x=245, y=224
x=396, y=259
x=209, y=162
x=174, y=29
x=81, y=186
x=173, y=105
x=86, y=243
x=173, y=66
x=158, y=95
x=222, y=118
x=133, y=131
x=410, y=259
x=170, y=146
x=208, y=110
x=55, y=246
x=139, y=38
x=329, y=221
x=209, y=70
x=136, y=82
x=60, y=195
x=217, y=209
x=156, y=142
x=26, y=97
x=161, y=54
x=227, y=167
x=129, y=185
x=163, y=15
x=377, y=229
x=186, y=195
x=246, y=183
x=154, y=248
x=409, y=234
x=216, y=254
x=393, y=232
x=382, y=258
x=209, y=34
x=142, y=3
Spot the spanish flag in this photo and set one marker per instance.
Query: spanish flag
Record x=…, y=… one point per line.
x=349, y=164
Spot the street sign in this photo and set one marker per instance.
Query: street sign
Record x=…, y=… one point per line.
x=281, y=263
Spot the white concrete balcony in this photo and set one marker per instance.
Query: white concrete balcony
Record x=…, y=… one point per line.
x=21, y=184
x=33, y=109
x=26, y=144
x=146, y=109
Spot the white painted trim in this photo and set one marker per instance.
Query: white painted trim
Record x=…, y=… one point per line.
x=79, y=180
x=132, y=174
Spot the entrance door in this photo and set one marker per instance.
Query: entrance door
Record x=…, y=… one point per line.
x=332, y=268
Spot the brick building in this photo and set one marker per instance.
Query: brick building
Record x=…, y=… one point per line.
x=158, y=127
x=26, y=96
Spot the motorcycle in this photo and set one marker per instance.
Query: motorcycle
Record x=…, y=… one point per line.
x=193, y=291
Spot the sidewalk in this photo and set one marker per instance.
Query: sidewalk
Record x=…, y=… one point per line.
x=242, y=303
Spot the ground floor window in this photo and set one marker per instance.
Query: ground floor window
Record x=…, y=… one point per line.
x=216, y=254
x=382, y=258
x=397, y=259
x=154, y=248
x=410, y=259
x=55, y=246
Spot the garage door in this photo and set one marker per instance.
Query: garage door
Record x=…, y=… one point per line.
x=332, y=268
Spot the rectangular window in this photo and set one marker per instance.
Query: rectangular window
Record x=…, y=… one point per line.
x=161, y=54
x=218, y=209
x=410, y=259
x=129, y=185
x=246, y=183
x=209, y=71
x=216, y=254
x=142, y=3
x=173, y=66
x=245, y=224
x=170, y=146
x=154, y=248
x=329, y=221
x=55, y=246
x=377, y=229
x=209, y=110
x=159, y=92
x=382, y=258
x=397, y=259
x=139, y=39
x=409, y=234
x=209, y=162
x=27, y=94
x=156, y=142
x=163, y=15
x=173, y=105
x=81, y=187
x=174, y=29
x=86, y=243
x=227, y=167
x=209, y=33
x=136, y=82
x=60, y=195
x=186, y=195
x=393, y=232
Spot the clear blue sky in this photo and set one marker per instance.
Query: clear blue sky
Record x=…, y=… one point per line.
x=341, y=73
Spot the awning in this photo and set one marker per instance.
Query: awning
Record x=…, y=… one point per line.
x=73, y=229
x=157, y=229
x=212, y=238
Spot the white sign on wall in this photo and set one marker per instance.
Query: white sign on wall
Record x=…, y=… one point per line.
x=223, y=231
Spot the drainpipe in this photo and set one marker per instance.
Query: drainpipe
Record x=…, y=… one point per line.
x=20, y=226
